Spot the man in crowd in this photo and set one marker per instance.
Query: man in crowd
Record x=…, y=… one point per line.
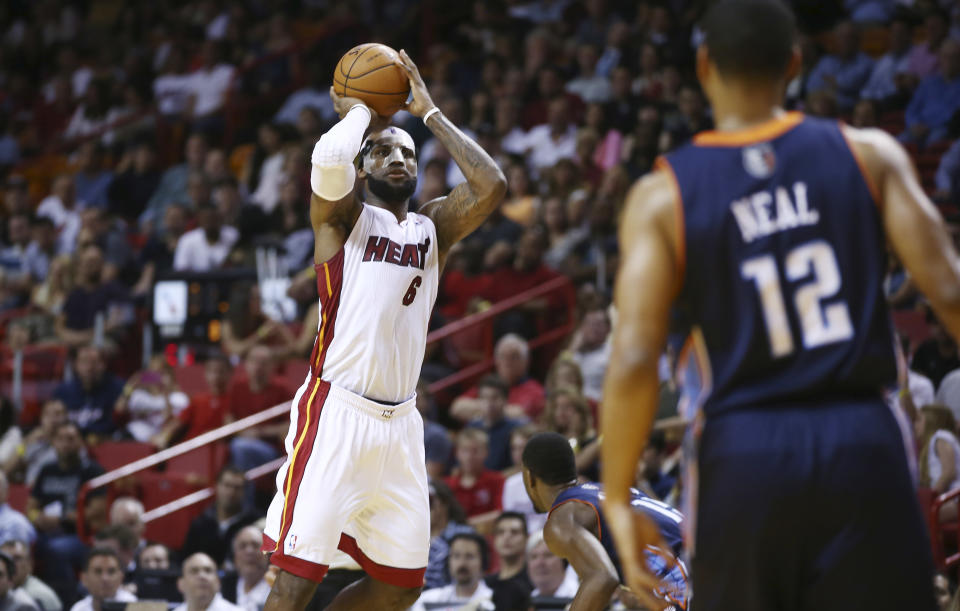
x=91, y=394
x=122, y=540
x=936, y=100
x=11, y=598
x=549, y=574
x=510, y=543
x=205, y=248
x=843, y=74
x=200, y=586
x=25, y=581
x=214, y=529
x=492, y=395
x=128, y=511
x=591, y=351
x=173, y=183
x=467, y=562
x=102, y=577
x=250, y=395
x=249, y=589
x=13, y=524
x=93, y=296
x=511, y=360
x=52, y=508
x=207, y=410
x=154, y=557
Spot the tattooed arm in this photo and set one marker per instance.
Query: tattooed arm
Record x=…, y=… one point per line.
x=468, y=204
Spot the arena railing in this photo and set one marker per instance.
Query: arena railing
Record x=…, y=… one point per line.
x=561, y=286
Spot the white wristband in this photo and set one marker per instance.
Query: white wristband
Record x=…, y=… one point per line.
x=430, y=113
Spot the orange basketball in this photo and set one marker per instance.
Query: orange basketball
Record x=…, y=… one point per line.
x=368, y=72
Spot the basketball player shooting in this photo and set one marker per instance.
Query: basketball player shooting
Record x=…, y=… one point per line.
x=355, y=477
x=769, y=236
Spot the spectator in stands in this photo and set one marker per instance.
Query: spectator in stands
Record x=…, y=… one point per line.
x=947, y=178
x=438, y=448
x=590, y=350
x=212, y=531
x=250, y=588
x=200, y=586
x=589, y=86
x=136, y=179
x=937, y=356
x=253, y=394
x=246, y=324
x=11, y=597
x=205, y=248
x=510, y=543
x=207, y=410
x=90, y=116
x=150, y=399
x=154, y=557
x=128, y=512
x=173, y=183
x=24, y=580
x=98, y=228
x=38, y=446
x=209, y=88
x=15, y=278
x=61, y=207
x=492, y=395
x=467, y=563
x=924, y=56
x=14, y=526
x=446, y=520
x=102, y=577
x=156, y=258
x=42, y=248
x=891, y=80
x=90, y=396
x=936, y=100
x=652, y=475
x=515, y=498
x=92, y=181
x=92, y=298
x=228, y=200
x=521, y=203
x=844, y=73
x=690, y=116
x=548, y=573
x=293, y=225
x=549, y=142
x=511, y=359
x=123, y=541
x=266, y=167
x=939, y=462
x=478, y=489
x=567, y=413
x=315, y=94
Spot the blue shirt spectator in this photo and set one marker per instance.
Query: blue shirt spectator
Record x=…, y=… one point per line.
x=883, y=80
x=492, y=395
x=844, y=73
x=173, y=184
x=91, y=394
x=936, y=100
x=14, y=526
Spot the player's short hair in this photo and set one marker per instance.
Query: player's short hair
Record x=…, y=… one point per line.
x=550, y=458
x=750, y=38
x=101, y=551
x=493, y=381
x=479, y=540
x=511, y=515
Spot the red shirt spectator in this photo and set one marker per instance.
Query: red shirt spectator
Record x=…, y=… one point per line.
x=478, y=490
x=511, y=359
x=207, y=410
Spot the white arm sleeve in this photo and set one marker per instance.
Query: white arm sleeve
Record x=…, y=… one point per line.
x=333, y=174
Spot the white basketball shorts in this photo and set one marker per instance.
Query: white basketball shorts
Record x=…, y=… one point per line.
x=355, y=479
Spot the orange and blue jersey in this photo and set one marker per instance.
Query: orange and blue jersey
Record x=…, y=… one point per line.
x=665, y=564
x=783, y=258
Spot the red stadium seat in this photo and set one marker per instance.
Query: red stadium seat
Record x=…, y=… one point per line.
x=114, y=454
x=17, y=496
x=157, y=489
x=199, y=466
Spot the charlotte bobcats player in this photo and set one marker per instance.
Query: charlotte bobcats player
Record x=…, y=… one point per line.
x=769, y=236
x=355, y=477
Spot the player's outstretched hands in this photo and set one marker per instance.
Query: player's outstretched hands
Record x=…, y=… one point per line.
x=632, y=533
x=421, y=102
x=343, y=104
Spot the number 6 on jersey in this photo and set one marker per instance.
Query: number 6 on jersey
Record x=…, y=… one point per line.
x=819, y=325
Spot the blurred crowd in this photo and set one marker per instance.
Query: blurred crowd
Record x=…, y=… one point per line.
x=183, y=146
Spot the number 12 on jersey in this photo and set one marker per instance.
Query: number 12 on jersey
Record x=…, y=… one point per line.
x=820, y=325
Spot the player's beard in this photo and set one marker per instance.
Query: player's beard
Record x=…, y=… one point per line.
x=392, y=193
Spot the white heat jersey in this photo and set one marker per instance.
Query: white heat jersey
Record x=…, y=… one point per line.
x=376, y=295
